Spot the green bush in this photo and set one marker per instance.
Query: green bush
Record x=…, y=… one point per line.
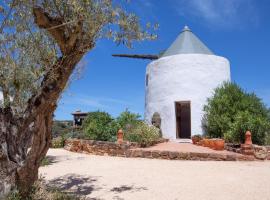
x=100, y=126
x=58, y=142
x=232, y=111
x=143, y=134
x=127, y=120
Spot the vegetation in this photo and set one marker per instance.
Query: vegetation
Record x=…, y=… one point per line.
x=61, y=128
x=128, y=120
x=100, y=126
x=143, y=134
x=45, y=161
x=41, y=44
x=41, y=192
x=232, y=111
x=58, y=142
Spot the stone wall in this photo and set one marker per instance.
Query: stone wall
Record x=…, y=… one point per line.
x=260, y=152
x=128, y=149
x=268, y=150
x=99, y=147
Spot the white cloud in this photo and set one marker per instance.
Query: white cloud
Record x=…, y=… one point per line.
x=226, y=14
x=94, y=102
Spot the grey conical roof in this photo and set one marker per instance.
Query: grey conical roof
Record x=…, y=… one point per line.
x=187, y=43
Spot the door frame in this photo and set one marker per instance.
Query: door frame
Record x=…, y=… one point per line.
x=176, y=127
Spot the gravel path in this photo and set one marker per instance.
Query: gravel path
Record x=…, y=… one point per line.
x=102, y=177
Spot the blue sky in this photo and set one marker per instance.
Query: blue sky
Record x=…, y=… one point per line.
x=236, y=29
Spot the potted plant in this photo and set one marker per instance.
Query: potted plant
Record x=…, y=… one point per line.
x=196, y=139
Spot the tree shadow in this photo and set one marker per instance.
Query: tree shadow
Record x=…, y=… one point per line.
x=74, y=184
x=124, y=188
x=83, y=186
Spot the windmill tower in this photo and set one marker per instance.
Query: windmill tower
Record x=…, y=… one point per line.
x=179, y=82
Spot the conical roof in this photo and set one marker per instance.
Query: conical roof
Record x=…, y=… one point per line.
x=187, y=43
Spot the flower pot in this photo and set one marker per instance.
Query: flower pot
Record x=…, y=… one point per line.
x=219, y=144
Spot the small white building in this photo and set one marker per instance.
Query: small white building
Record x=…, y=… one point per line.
x=179, y=83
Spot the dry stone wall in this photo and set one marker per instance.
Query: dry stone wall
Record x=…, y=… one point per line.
x=128, y=149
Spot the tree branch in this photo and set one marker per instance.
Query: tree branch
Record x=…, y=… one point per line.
x=45, y=21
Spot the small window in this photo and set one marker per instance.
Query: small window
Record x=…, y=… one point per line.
x=147, y=79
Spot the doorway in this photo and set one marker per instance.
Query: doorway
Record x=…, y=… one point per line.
x=183, y=119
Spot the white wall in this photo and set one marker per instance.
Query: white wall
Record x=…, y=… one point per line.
x=183, y=77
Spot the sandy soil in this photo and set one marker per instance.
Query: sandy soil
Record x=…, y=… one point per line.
x=102, y=177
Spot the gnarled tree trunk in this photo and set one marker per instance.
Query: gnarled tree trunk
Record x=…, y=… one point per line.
x=24, y=142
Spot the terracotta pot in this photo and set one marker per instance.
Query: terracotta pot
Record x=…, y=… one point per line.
x=219, y=144
x=206, y=142
x=120, y=136
x=212, y=143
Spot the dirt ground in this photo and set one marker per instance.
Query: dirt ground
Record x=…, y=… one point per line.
x=103, y=177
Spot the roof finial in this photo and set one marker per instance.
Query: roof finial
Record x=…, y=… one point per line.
x=186, y=28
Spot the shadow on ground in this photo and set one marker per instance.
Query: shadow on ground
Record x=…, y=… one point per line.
x=75, y=184
x=85, y=185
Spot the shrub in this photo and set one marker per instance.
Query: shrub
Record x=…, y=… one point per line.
x=143, y=134
x=45, y=162
x=58, y=142
x=100, y=126
x=78, y=134
x=267, y=139
x=127, y=120
x=61, y=128
x=232, y=111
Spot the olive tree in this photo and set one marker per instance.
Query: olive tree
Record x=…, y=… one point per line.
x=42, y=41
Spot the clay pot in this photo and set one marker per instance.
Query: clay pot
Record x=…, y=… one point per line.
x=219, y=144
x=212, y=143
x=120, y=136
x=206, y=142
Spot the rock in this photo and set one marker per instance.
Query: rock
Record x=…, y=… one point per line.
x=260, y=152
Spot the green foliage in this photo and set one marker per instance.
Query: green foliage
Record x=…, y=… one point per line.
x=45, y=161
x=61, y=128
x=58, y=142
x=127, y=120
x=267, y=139
x=143, y=134
x=77, y=133
x=28, y=53
x=41, y=192
x=100, y=126
x=232, y=111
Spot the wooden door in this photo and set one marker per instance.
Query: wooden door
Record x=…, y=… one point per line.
x=183, y=119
